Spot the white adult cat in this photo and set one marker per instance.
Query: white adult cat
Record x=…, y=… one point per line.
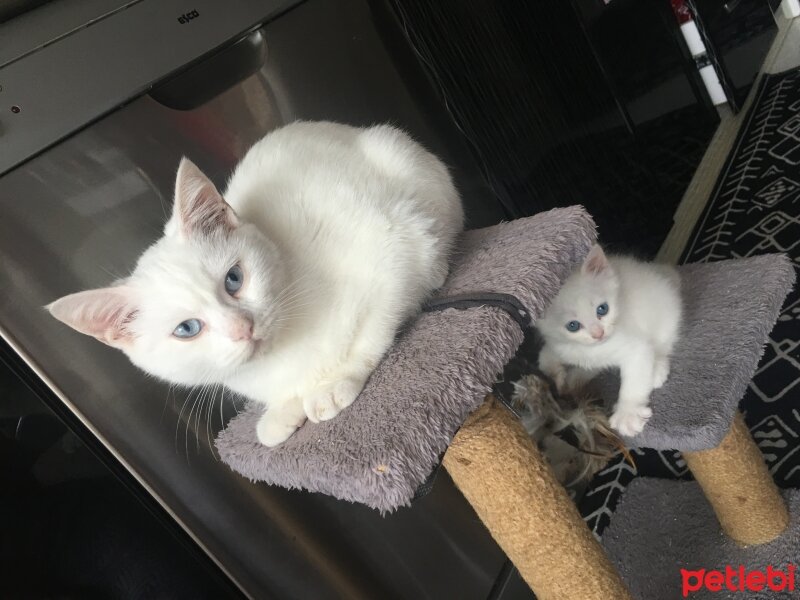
x=291, y=289
x=615, y=312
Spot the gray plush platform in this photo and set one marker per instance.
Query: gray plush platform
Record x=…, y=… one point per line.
x=729, y=309
x=662, y=526
x=381, y=448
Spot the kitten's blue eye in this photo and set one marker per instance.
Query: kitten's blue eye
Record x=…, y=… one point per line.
x=188, y=329
x=602, y=309
x=573, y=326
x=234, y=280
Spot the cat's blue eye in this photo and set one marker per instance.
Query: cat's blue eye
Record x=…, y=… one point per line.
x=234, y=279
x=573, y=326
x=602, y=309
x=188, y=329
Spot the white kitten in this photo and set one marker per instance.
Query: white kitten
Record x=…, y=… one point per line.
x=290, y=290
x=615, y=312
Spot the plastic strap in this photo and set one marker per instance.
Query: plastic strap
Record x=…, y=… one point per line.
x=506, y=302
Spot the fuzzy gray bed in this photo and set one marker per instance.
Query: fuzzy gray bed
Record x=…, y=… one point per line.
x=662, y=526
x=381, y=448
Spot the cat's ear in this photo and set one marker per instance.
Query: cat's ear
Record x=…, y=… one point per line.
x=199, y=207
x=103, y=313
x=595, y=262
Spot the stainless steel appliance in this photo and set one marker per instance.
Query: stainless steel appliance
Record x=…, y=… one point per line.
x=99, y=100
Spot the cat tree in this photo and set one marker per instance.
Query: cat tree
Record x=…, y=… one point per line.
x=427, y=400
x=730, y=308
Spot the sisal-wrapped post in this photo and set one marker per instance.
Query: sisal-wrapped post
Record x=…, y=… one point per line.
x=508, y=482
x=735, y=479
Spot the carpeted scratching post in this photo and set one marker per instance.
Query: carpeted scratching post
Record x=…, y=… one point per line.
x=387, y=443
x=508, y=482
x=735, y=479
x=664, y=540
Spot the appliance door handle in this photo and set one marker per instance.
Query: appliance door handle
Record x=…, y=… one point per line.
x=732, y=5
x=204, y=80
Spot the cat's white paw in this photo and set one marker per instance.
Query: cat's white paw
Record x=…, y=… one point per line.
x=346, y=391
x=660, y=372
x=631, y=420
x=327, y=402
x=272, y=430
x=319, y=406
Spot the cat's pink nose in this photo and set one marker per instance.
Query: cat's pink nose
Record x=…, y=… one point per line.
x=597, y=332
x=241, y=328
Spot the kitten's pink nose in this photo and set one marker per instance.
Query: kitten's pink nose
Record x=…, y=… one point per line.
x=240, y=328
x=597, y=332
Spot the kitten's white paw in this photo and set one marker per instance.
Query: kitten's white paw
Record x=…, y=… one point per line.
x=327, y=402
x=630, y=421
x=660, y=372
x=272, y=430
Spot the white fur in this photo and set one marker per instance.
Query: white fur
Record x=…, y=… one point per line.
x=341, y=233
x=637, y=335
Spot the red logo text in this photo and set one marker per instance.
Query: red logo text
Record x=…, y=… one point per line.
x=738, y=580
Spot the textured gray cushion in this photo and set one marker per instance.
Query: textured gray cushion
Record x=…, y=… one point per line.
x=730, y=307
x=661, y=526
x=381, y=448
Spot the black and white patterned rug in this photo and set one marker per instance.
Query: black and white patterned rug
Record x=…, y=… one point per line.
x=754, y=209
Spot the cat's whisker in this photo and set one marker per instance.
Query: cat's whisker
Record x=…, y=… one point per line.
x=209, y=421
x=193, y=402
x=292, y=301
x=282, y=323
x=206, y=411
x=177, y=426
x=294, y=290
x=163, y=207
x=178, y=422
x=290, y=313
x=113, y=274
x=299, y=280
x=221, y=406
x=213, y=432
x=209, y=416
x=290, y=310
x=166, y=401
x=200, y=405
x=290, y=316
x=188, y=424
x=197, y=392
x=289, y=292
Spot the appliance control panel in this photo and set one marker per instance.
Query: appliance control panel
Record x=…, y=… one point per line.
x=61, y=71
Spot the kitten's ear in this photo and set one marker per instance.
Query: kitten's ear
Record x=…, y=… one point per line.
x=104, y=313
x=199, y=207
x=595, y=262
